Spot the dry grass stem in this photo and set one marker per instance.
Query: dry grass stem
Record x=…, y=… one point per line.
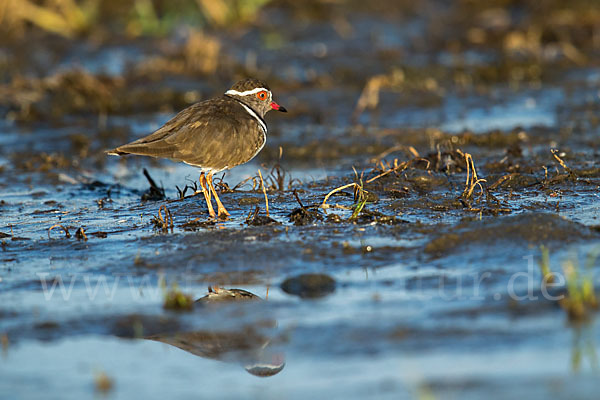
x=80, y=234
x=360, y=197
x=472, y=180
x=369, y=98
x=166, y=222
x=547, y=275
x=262, y=184
x=502, y=179
x=242, y=183
x=67, y=234
x=561, y=162
x=409, y=149
x=397, y=167
x=324, y=205
x=545, y=174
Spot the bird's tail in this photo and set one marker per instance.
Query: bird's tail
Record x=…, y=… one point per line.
x=116, y=152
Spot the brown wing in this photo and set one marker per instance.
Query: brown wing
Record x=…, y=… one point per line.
x=207, y=134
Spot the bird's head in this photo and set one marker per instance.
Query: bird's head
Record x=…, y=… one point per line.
x=255, y=94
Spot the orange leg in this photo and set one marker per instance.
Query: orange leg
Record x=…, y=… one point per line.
x=207, y=195
x=222, y=211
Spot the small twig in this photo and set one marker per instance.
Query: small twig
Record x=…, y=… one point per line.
x=252, y=215
x=561, y=162
x=298, y=199
x=262, y=183
x=155, y=192
x=67, y=234
x=276, y=177
x=182, y=192
x=150, y=180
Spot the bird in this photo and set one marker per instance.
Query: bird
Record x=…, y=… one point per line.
x=214, y=135
x=256, y=345
x=219, y=294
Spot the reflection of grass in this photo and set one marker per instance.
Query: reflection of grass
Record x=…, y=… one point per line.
x=103, y=382
x=580, y=299
x=579, y=302
x=424, y=392
x=4, y=342
x=547, y=275
x=175, y=299
x=138, y=17
x=583, y=345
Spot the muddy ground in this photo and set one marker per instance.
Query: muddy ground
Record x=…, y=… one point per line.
x=416, y=279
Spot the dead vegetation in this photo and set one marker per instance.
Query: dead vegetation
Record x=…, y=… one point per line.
x=255, y=219
x=304, y=215
x=163, y=224
x=71, y=18
x=80, y=234
x=445, y=180
x=155, y=193
x=65, y=230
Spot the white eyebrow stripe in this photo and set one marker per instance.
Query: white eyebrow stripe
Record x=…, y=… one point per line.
x=246, y=93
x=255, y=116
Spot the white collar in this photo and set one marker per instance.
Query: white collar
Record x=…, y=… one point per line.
x=253, y=113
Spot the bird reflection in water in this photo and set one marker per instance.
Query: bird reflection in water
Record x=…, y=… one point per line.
x=247, y=345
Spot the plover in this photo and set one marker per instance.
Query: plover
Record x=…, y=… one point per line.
x=213, y=135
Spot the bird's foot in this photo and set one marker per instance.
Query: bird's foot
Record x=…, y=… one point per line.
x=223, y=214
x=211, y=211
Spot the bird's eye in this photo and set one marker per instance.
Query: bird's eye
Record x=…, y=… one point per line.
x=262, y=95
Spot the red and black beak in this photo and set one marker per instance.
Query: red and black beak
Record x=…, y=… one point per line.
x=277, y=107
